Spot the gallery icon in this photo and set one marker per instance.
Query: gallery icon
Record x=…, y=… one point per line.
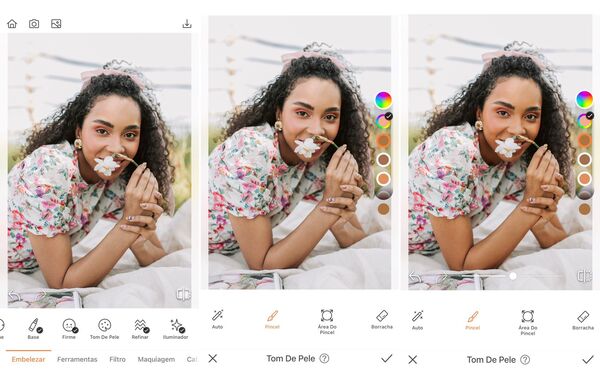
x=56, y=23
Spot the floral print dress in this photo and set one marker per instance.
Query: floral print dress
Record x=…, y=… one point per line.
x=248, y=178
x=449, y=178
x=47, y=196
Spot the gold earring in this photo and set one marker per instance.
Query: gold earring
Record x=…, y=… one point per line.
x=78, y=144
x=479, y=126
x=279, y=126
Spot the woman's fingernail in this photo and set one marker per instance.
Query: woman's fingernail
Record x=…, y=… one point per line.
x=323, y=209
x=531, y=200
x=545, y=187
x=123, y=226
x=344, y=187
x=143, y=205
x=522, y=208
x=330, y=200
x=129, y=218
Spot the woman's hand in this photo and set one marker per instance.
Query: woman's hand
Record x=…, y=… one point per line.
x=343, y=206
x=542, y=170
x=145, y=223
x=340, y=171
x=141, y=188
x=543, y=206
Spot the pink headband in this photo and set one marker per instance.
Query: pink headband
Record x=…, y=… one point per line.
x=286, y=59
x=488, y=57
x=86, y=77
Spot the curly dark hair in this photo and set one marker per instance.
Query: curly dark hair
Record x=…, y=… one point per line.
x=156, y=141
x=556, y=118
x=355, y=121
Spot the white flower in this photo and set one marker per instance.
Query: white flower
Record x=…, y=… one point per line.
x=106, y=166
x=306, y=148
x=507, y=147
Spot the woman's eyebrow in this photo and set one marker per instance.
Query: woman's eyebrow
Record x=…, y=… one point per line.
x=132, y=127
x=333, y=108
x=304, y=104
x=533, y=108
x=505, y=104
x=102, y=122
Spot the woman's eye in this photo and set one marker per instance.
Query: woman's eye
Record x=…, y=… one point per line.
x=503, y=113
x=102, y=131
x=302, y=113
x=331, y=117
x=531, y=117
x=130, y=135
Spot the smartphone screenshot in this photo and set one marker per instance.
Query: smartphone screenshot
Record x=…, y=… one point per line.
x=298, y=191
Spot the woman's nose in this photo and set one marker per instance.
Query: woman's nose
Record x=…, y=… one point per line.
x=517, y=129
x=315, y=128
x=115, y=146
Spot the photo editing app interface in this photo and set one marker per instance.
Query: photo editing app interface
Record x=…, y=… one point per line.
x=347, y=166
x=299, y=163
x=500, y=153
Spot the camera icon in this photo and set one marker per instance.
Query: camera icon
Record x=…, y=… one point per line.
x=34, y=24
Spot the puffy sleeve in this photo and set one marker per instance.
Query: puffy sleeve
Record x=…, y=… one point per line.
x=440, y=172
x=240, y=174
x=114, y=198
x=40, y=191
x=315, y=181
x=516, y=178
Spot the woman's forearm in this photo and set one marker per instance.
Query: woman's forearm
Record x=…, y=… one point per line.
x=348, y=233
x=548, y=233
x=295, y=247
x=492, y=251
x=91, y=269
x=147, y=251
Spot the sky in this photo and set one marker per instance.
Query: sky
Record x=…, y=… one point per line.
x=44, y=72
x=245, y=52
x=437, y=61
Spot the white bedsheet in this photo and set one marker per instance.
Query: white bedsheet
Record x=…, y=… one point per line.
x=364, y=265
x=535, y=268
x=128, y=285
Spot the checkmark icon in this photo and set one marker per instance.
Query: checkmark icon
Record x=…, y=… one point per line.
x=386, y=359
x=588, y=361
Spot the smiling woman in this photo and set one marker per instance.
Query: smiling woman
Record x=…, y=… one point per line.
x=77, y=167
x=305, y=136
